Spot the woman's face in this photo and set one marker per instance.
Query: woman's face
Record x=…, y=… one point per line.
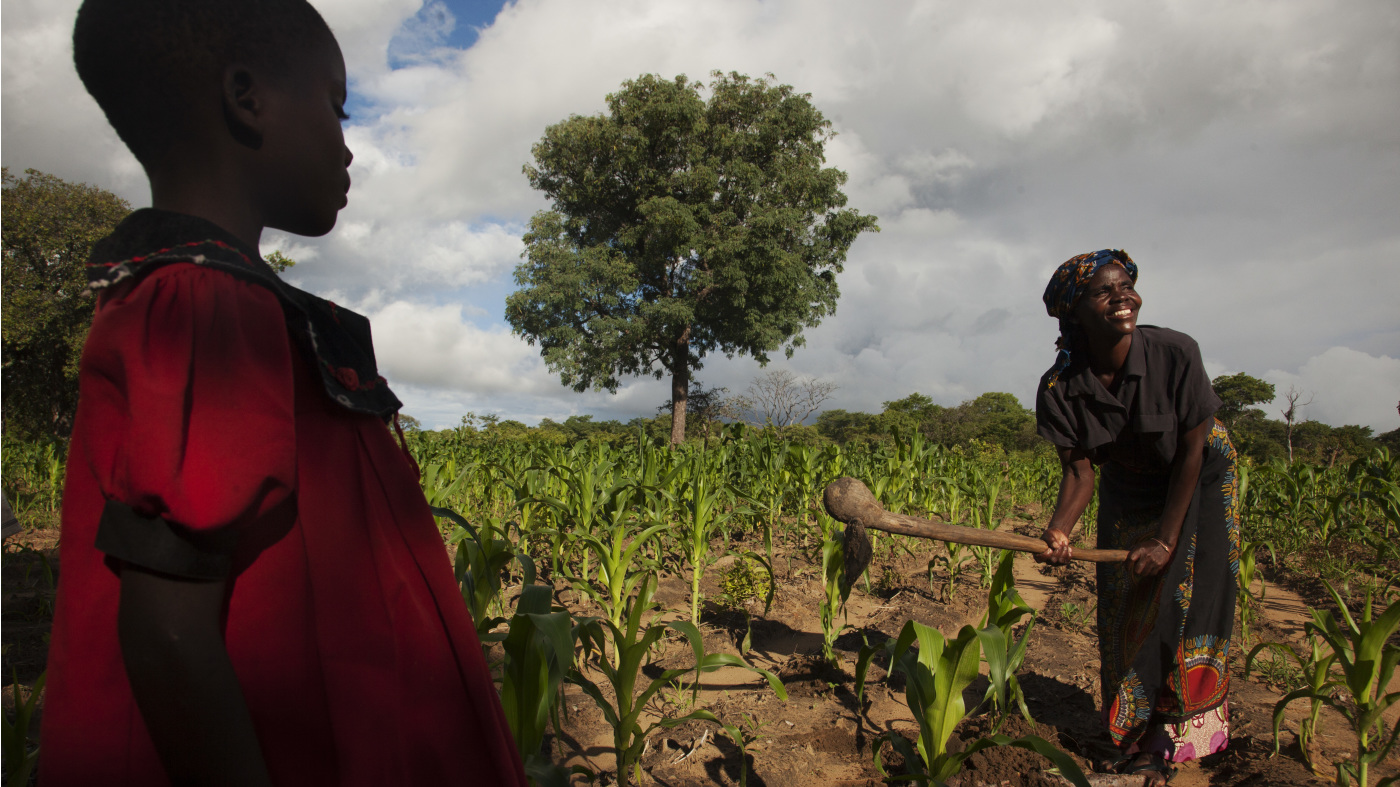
x=1110, y=305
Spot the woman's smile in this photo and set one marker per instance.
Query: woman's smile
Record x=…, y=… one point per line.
x=1111, y=304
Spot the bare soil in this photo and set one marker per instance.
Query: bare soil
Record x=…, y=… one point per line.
x=822, y=734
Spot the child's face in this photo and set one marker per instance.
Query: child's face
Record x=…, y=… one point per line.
x=303, y=165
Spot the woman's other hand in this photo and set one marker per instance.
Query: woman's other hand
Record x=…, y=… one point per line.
x=1058, y=551
x=1149, y=558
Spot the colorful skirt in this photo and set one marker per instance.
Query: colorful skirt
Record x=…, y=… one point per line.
x=1164, y=641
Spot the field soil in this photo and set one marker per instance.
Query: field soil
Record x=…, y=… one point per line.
x=822, y=734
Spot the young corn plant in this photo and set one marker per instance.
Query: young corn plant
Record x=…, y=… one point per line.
x=1005, y=609
x=584, y=488
x=632, y=641
x=836, y=587
x=618, y=548
x=442, y=483
x=1316, y=671
x=747, y=731
x=525, y=485
x=1367, y=662
x=20, y=759
x=986, y=556
x=955, y=555
x=936, y=673
x=482, y=556
x=1247, y=599
x=539, y=654
x=703, y=513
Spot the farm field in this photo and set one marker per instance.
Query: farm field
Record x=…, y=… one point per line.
x=604, y=574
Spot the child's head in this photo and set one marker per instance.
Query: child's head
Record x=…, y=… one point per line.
x=260, y=80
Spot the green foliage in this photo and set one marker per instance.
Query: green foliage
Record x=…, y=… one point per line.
x=49, y=228
x=1245, y=595
x=1316, y=671
x=1239, y=392
x=278, y=261
x=539, y=654
x=606, y=515
x=615, y=538
x=1076, y=615
x=631, y=642
x=746, y=580
x=745, y=732
x=836, y=587
x=1264, y=439
x=1367, y=661
x=994, y=418
x=702, y=514
x=33, y=473
x=936, y=673
x=20, y=759
x=482, y=555
x=680, y=227
x=1005, y=609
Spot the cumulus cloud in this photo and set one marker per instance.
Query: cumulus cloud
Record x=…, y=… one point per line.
x=1344, y=386
x=1245, y=155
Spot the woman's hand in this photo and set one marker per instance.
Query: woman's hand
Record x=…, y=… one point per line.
x=1076, y=488
x=1058, y=551
x=1149, y=558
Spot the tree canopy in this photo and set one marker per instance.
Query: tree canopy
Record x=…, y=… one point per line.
x=994, y=418
x=49, y=228
x=681, y=226
x=280, y=262
x=1238, y=393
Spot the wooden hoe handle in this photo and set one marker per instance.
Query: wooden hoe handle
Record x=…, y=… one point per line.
x=850, y=501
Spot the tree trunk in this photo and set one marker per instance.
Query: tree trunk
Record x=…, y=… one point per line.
x=680, y=386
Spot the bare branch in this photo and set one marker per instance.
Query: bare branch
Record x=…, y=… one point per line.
x=1290, y=413
x=780, y=398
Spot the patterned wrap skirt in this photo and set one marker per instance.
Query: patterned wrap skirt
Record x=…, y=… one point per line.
x=1164, y=641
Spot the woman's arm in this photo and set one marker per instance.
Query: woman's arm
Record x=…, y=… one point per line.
x=183, y=681
x=1076, y=489
x=1152, y=558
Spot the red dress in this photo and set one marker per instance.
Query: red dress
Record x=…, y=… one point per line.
x=357, y=657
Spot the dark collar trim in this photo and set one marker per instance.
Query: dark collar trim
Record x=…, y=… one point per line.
x=335, y=340
x=1079, y=379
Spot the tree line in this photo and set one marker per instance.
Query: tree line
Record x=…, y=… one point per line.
x=994, y=420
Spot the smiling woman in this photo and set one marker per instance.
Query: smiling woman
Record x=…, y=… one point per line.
x=1135, y=400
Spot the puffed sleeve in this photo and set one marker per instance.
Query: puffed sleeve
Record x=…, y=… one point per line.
x=202, y=362
x=1194, y=398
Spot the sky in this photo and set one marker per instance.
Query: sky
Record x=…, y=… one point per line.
x=1246, y=154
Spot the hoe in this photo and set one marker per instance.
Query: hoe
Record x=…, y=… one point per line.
x=851, y=502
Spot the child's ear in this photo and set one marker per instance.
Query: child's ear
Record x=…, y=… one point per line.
x=243, y=105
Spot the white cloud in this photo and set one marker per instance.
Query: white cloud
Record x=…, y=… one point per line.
x=1344, y=386
x=433, y=347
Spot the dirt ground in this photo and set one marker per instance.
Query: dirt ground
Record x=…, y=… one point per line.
x=822, y=735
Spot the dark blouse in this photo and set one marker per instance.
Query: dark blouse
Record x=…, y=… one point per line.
x=1163, y=391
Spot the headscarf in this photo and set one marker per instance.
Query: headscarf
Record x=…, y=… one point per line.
x=1067, y=286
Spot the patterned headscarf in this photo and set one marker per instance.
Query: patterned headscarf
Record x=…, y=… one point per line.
x=1067, y=286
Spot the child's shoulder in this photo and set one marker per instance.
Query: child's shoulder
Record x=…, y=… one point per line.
x=188, y=286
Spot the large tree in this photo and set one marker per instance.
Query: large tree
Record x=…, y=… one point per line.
x=681, y=226
x=1238, y=393
x=49, y=227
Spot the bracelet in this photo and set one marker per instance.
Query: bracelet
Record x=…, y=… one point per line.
x=1163, y=545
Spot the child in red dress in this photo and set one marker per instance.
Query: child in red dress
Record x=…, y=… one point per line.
x=253, y=589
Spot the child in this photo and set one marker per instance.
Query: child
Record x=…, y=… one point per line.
x=253, y=588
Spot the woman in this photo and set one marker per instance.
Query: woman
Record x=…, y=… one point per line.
x=1136, y=401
